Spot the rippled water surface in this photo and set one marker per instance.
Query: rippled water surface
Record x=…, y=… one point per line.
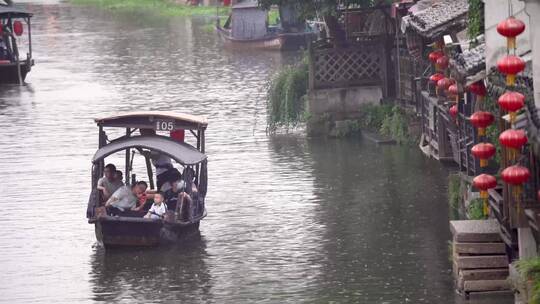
x=291, y=220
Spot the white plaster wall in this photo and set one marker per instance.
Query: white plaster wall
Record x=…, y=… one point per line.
x=495, y=12
x=532, y=9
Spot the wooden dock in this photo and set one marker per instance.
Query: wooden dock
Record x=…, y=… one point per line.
x=480, y=262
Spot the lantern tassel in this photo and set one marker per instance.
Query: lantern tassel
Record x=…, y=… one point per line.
x=510, y=80
x=481, y=131
x=511, y=43
x=517, y=190
x=483, y=163
x=484, y=195
x=513, y=116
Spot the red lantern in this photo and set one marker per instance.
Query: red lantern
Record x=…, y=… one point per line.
x=510, y=28
x=482, y=120
x=443, y=84
x=483, y=151
x=18, y=28
x=436, y=77
x=454, y=111
x=1, y=30
x=513, y=140
x=442, y=63
x=484, y=182
x=510, y=66
x=433, y=56
x=512, y=102
x=479, y=89
x=453, y=91
x=516, y=176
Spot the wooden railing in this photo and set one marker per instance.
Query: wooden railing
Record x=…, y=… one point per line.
x=357, y=64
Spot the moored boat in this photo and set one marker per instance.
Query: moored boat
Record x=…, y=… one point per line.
x=247, y=27
x=13, y=21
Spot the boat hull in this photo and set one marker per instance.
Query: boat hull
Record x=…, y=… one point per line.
x=275, y=42
x=9, y=73
x=113, y=231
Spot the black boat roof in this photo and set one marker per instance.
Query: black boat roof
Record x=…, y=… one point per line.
x=13, y=11
x=180, y=152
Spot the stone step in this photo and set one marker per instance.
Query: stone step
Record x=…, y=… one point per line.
x=479, y=248
x=486, y=285
x=480, y=274
x=481, y=261
x=475, y=231
x=484, y=274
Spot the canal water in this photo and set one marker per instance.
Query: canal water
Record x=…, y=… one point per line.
x=291, y=220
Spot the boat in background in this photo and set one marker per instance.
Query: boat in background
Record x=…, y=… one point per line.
x=13, y=68
x=247, y=27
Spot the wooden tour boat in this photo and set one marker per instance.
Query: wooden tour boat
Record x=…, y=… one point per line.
x=131, y=228
x=14, y=68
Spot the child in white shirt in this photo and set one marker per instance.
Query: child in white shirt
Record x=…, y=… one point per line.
x=158, y=209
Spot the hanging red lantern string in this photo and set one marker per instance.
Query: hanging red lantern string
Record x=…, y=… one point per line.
x=516, y=176
x=442, y=63
x=512, y=102
x=510, y=28
x=513, y=140
x=453, y=112
x=481, y=120
x=483, y=151
x=479, y=89
x=453, y=92
x=443, y=84
x=510, y=66
x=484, y=182
x=433, y=56
x=435, y=79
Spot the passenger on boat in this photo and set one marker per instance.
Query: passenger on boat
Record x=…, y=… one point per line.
x=4, y=54
x=159, y=208
x=144, y=196
x=109, y=183
x=124, y=199
x=162, y=162
x=120, y=176
x=172, y=175
x=187, y=201
x=171, y=195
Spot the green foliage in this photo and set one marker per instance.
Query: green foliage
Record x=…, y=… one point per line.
x=286, y=96
x=476, y=209
x=396, y=126
x=492, y=132
x=273, y=17
x=476, y=19
x=161, y=7
x=373, y=116
x=454, y=191
x=310, y=8
x=529, y=269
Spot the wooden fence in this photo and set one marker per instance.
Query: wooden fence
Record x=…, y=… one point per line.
x=357, y=64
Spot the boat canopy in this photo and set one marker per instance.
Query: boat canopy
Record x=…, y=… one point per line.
x=13, y=12
x=248, y=21
x=157, y=120
x=180, y=152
